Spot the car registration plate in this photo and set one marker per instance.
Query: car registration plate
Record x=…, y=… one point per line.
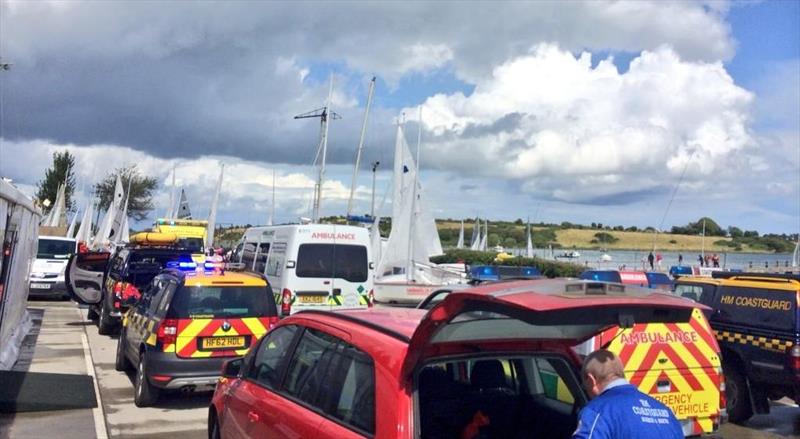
x=312, y=299
x=222, y=342
x=40, y=286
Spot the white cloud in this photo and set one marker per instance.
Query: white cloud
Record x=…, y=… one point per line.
x=573, y=132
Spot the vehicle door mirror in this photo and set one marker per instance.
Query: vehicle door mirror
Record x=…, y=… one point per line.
x=232, y=368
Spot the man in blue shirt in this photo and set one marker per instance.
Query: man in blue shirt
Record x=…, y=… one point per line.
x=618, y=410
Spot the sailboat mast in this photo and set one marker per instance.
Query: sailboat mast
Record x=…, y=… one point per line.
x=171, y=208
x=703, y=241
x=360, y=147
x=324, y=148
x=272, y=207
x=414, y=199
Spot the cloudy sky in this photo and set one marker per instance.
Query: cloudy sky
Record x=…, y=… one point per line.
x=558, y=111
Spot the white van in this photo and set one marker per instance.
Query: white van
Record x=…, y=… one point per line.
x=47, y=273
x=311, y=266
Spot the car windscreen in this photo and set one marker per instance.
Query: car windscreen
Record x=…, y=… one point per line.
x=348, y=262
x=601, y=275
x=194, y=245
x=153, y=262
x=226, y=301
x=55, y=249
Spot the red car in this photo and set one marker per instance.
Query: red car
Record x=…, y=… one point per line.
x=492, y=361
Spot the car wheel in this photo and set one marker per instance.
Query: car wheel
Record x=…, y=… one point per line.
x=737, y=395
x=213, y=426
x=144, y=393
x=105, y=325
x=91, y=314
x=121, y=362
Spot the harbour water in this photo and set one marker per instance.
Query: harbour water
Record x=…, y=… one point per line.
x=636, y=260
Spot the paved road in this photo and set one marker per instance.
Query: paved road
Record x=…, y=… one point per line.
x=179, y=416
x=176, y=415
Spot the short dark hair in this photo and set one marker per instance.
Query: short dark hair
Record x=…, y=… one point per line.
x=603, y=364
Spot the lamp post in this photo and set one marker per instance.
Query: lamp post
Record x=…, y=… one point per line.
x=374, y=169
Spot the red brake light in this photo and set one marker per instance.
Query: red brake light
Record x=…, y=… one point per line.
x=794, y=358
x=130, y=291
x=723, y=399
x=167, y=331
x=286, y=302
x=371, y=299
x=117, y=288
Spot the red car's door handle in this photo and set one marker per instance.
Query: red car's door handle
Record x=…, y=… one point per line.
x=252, y=416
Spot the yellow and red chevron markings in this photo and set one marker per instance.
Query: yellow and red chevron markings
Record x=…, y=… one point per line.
x=191, y=331
x=676, y=363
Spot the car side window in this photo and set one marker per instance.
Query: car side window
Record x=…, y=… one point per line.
x=335, y=377
x=272, y=351
x=306, y=372
x=352, y=398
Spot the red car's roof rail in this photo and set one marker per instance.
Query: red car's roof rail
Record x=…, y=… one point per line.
x=363, y=322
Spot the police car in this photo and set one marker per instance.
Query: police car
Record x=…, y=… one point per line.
x=187, y=322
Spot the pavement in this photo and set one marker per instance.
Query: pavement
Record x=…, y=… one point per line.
x=56, y=344
x=64, y=341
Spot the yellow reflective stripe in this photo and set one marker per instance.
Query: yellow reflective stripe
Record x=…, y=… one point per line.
x=151, y=340
x=255, y=326
x=190, y=332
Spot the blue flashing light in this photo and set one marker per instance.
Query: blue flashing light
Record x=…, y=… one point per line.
x=182, y=265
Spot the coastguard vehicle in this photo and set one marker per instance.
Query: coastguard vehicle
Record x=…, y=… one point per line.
x=188, y=321
x=312, y=266
x=105, y=281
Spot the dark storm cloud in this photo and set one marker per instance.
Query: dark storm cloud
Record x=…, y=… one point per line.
x=187, y=79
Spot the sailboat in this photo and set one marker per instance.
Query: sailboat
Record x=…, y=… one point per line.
x=405, y=273
x=796, y=254
x=484, y=237
x=476, y=235
x=529, y=247
x=460, y=243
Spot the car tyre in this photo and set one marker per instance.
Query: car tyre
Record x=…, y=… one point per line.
x=121, y=363
x=213, y=426
x=105, y=324
x=144, y=393
x=738, y=396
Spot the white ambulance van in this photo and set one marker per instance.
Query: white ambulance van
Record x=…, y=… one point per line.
x=311, y=266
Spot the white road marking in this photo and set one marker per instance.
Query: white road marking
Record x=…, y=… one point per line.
x=99, y=416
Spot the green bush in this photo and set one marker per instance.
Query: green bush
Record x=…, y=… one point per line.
x=606, y=238
x=471, y=257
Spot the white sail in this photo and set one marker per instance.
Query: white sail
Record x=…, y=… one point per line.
x=375, y=242
x=54, y=218
x=796, y=254
x=85, y=229
x=125, y=235
x=183, y=211
x=529, y=248
x=475, y=242
x=71, y=228
x=414, y=237
x=460, y=243
x=171, y=209
x=120, y=203
x=485, y=237
x=212, y=217
x=103, y=227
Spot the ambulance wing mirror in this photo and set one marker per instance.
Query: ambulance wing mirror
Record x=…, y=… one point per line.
x=232, y=368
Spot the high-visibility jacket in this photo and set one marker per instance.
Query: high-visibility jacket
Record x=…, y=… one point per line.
x=623, y=412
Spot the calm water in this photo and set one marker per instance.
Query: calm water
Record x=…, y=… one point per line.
x=637, y=259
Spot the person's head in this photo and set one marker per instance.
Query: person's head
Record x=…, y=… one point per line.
x=599, y=369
